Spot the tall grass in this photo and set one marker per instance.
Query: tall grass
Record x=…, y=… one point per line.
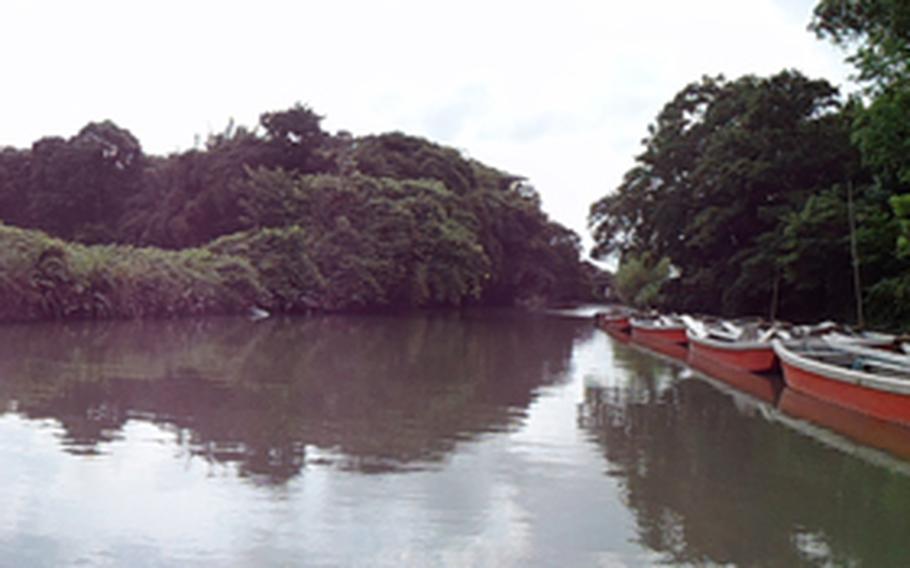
x=42, y=277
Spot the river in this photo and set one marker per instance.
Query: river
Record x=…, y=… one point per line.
x=487, y=438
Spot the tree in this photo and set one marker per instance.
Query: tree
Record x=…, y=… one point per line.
x=879, y=32
x=329, y=221
x=296, y=140
x=640, y=278
x=722, y=166
x=78, y=188
x=400, y=156
x=14, y=183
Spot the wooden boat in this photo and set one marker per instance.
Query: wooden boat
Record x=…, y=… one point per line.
x=858, y=427
x=862, y=338
x=753, y=356
x=659, y=345
x=747, y=344
x=670, y=329
x=746, y=347
x=871, y=381
x=617, y=318
x=842, y=334
x=761, y=387
x=621, y=335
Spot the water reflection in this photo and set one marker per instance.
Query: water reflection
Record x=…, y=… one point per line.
x=849, y=431
x=373, y=394
x=474, y=439
x=711, y=479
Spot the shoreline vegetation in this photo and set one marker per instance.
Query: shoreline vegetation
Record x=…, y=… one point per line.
x=777, y=196
x=284, y=217
x=42, y=277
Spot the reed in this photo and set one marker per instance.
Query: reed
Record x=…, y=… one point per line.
x=42, y=277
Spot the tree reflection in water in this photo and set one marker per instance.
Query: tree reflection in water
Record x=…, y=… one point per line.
x=372, y=393
x=711, y=482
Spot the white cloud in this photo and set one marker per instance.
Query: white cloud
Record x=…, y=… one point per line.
x=559, y=92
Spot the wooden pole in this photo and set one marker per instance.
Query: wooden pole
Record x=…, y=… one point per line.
x=775, y=293
x=857, y=284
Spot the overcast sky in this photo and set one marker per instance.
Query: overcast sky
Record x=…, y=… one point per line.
x=560, y=92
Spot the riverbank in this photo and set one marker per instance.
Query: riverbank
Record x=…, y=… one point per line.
x=46, y=278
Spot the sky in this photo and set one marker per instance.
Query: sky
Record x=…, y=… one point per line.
x=559, y=92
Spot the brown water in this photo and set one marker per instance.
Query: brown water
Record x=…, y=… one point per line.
x=487, y=438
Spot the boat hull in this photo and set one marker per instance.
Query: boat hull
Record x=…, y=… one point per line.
x=752, y=357
x=620, y=335
x=761, y=387
x=658, y=345
x=668, y=334
x=618, y=323
x=869, y=339
x=862, y=428
x=891, y=406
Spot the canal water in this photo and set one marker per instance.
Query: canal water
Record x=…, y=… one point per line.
x=489, y=438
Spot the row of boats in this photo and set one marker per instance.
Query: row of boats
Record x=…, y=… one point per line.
x=864, y=371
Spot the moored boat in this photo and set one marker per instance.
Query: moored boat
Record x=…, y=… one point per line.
x=866, y=430
x=754, y=356
x=844, y=335
x=616, y=318
x=747, y=347
x=761, y=387
x=623, y=336
x=663, y=328
x=862, y=338
x=871, y=381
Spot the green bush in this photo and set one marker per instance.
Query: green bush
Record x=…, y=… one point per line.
x=45, y=278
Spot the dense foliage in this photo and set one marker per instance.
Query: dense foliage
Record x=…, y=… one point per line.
x=748, y=186
x=43, y=277
x=878, y=31
x=720, y=191
x=640, y=278
x=326, y=222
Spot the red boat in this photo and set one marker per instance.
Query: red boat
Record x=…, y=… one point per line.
x=760, y=387
x=862, y=338
x=753, y=356
x=839, y=334
x=871, y=381
x=867, y=430
x=618, y=334
x=614, y=321
x=662, y=346
x=662, y=328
